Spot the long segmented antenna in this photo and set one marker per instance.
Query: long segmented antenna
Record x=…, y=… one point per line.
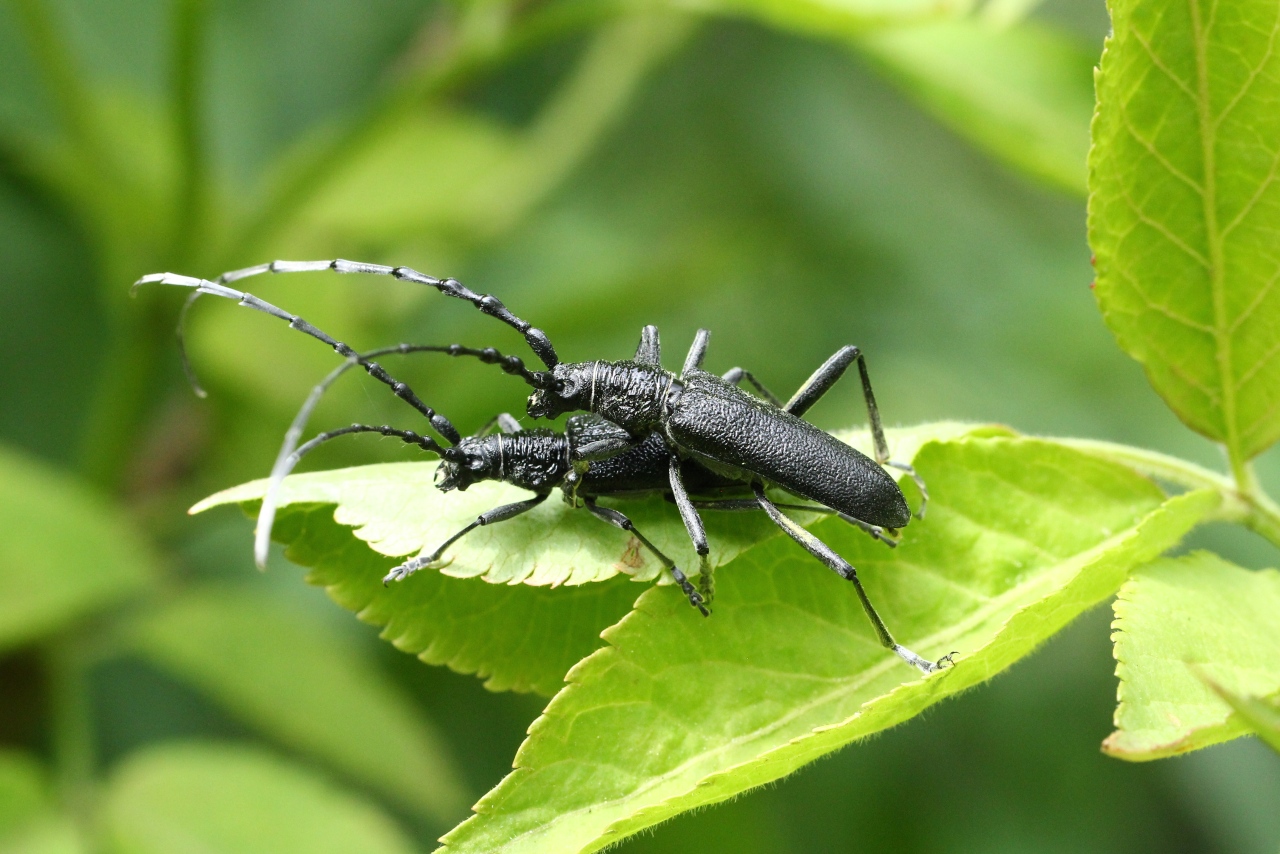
x=401, y=390
x=181, y=333
x=285, y=459
x=487, y=303
x=266, y=517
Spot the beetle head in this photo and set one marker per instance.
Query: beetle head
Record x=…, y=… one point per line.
x=568, y=391
x=476, y=460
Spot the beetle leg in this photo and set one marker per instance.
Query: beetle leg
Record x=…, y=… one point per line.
x=649, y=352
x=845, y=570
x=693, y=524
x=697, y=352
x=874, y=531
x=737, y=375
x=497, y=514
x=613, y=517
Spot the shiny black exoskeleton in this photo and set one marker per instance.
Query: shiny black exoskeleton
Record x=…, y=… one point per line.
x=698, y=415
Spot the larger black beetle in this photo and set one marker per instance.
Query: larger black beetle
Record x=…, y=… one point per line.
x=698, y=414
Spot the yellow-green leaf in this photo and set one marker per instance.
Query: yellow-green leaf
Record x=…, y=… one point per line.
x=679, y=712
x=1185, y=208
x=1176, y=621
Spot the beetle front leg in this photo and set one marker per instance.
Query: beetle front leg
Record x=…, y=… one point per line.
x=697, y=531
x=845, y=570
x=497, y=514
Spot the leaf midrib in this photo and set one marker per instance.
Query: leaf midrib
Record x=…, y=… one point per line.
x=1214, y=238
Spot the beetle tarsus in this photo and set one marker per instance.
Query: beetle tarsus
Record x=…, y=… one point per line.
x=921, y=664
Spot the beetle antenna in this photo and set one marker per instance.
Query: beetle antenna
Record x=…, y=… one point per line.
x=286, y=464
x=487, y=303
x=438, y=422
x=181, y=334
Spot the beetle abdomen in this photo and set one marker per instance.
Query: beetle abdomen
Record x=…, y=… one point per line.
x=723, y=423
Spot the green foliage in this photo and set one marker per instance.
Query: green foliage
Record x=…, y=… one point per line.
x=24, y=791
x=1029, y=532
x=1262, y=715
x=217, y=799
x=312, y=692
x=827, y=18
x=680, y=712
x=29, y=821
x=1180, y=622
x=493, y=145
x=467, y=624
x=65, y=554
x=1021, y=93
x=1184, y=207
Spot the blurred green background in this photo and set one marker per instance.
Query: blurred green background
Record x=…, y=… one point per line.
x=599, y=166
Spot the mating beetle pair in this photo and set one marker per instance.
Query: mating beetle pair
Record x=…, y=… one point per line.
x=697, y=426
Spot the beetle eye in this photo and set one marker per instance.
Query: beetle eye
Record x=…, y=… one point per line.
x=475, y=464
x=561, y=386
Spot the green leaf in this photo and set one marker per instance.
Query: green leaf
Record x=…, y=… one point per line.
x=29, y=823
x=50, y=835
x=24, y=791
x=224, y=799
x=465, y=623
x=679, y=712
x=1023, y=93
x=289, y=674
x=64, y=553
x=1197, y=611
x=1184, y=209
x=1260, y=714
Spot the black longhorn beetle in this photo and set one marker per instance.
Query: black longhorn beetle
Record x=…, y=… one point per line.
x=699, y=414
x=538, y=460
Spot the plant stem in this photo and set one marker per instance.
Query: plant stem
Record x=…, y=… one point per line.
x=1245, y=503
x=72, y=724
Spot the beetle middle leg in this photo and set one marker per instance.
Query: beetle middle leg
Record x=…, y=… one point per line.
x=845, y=570
x=497, y=514
x=613, y=517
x=692, y=524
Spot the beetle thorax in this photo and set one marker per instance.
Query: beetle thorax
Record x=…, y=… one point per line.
x=631, y=395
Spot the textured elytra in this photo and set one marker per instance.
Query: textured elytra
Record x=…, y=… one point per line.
x=1185, y=208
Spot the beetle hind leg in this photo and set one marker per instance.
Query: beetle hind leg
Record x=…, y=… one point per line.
x=845, y=570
